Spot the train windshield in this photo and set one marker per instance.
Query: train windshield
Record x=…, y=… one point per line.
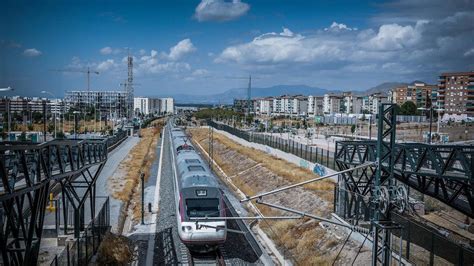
x=202, y=207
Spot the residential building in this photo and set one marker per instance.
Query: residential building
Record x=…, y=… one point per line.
x=166, y=105
x=106, y=102
x=265, y=105
x=146, y=106
x=240, y=106
x=456, y=93
x=419, y=93
x=315, y=105
x=332, y=104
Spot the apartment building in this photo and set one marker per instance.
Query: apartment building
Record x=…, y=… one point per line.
x=265, y=106
x=419, y=93
x=166, y=105
x=456, y=93
x=146, y=106
x=332, y=104
x=106, y=102
x=315, y=105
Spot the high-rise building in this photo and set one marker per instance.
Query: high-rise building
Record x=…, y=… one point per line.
x=146, y=106
x=315, y=105
x=166, y=105
x=419, y=93
x=106, y=102
x=456, y=93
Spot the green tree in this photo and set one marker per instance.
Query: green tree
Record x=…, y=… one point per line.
x=353, y=129
x=408, y=108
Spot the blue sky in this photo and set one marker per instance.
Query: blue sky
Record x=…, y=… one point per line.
x=194, y=47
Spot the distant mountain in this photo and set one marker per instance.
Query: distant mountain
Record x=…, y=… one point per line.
x=384, y=87
x=228, y=96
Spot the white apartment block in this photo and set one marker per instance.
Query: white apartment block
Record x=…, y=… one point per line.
x=264, y=106
x=167, y=105
x=332, y=103
x=146, y=106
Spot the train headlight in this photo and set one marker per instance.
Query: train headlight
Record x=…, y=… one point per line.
x=187, y=228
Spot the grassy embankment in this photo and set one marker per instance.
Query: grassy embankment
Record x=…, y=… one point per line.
x=304, y=239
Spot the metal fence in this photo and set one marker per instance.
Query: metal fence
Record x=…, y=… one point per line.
x=421, y=245
x=307, y=152
x=81, y=251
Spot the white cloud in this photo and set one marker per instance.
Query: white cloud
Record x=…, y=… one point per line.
x=200, y=72
x=220, y=10
x=32, y=52
x=142, y=52
x=109, y=50
x=282, y=47
x=404, y=49
x=469, y=52
x=396, y=37
x=339, y=27
x=105, y=65
x=151, y=65
x=180, y=49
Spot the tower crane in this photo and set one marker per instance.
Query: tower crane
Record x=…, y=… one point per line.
x=88, y=71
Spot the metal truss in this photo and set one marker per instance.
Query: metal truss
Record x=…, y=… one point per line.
x=29, y=173
x=444, y=172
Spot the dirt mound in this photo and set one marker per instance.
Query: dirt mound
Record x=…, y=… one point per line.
x=115, y=250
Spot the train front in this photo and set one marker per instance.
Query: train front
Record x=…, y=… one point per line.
x=198, y=202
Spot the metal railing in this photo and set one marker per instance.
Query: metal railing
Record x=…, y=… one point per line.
x=81, y=251
x=307, y=152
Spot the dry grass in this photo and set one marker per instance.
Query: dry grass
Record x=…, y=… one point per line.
x=301, y=240
x=289, y=171
x=139, y=160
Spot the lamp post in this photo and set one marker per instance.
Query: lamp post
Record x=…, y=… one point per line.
x=75, y=123
x=55, y=109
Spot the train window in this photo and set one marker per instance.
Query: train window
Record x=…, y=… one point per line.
x=192, y=161
x=202, y=207
x=184, y=147
x=193, y=168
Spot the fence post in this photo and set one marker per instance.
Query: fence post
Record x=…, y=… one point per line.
x=327, y=158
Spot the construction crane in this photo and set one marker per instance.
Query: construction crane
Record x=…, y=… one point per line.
x=88, y=71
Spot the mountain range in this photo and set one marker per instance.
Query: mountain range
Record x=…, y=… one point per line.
x=228, y=96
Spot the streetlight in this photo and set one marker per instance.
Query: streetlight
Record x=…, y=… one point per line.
x=75, y=123
x=55, y=107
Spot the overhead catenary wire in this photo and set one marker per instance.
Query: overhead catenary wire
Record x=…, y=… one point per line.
x=306, y=182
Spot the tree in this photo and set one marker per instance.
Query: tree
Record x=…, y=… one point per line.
x=408, y=108
x=353, y=129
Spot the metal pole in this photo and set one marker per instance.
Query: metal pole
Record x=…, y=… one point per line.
x=9, y=116
x=142, y=176
x=44, y=119
x=431, y=122
x=55, y=111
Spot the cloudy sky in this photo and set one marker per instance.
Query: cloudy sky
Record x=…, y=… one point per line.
x=199, y=47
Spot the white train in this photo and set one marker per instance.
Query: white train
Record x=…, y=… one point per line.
x=199, y=196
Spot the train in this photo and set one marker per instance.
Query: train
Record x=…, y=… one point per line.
x=197, y=195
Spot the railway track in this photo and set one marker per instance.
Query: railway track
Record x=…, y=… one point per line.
x=216, y=257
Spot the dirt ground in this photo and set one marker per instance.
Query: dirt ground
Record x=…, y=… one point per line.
x=304, y=241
